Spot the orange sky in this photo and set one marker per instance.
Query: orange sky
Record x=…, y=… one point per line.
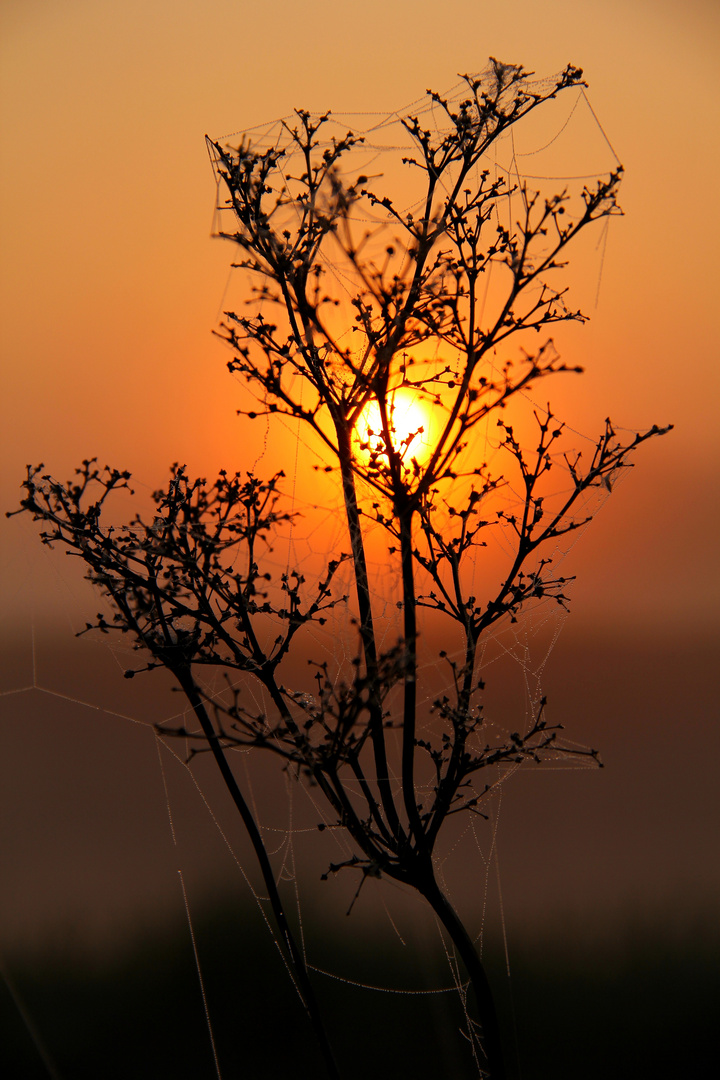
x=110, y=288
x=111, y=284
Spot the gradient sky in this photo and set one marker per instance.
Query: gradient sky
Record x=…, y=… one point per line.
x=111, y=285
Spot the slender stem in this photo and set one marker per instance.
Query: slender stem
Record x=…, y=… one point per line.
x=448, y=784
x=410, y=674
x=367, y=629
x=295, y=956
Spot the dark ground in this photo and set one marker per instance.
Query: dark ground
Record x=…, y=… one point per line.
x=609, y=881
x=643, y=1008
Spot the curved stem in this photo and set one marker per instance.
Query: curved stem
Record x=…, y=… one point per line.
x=295, y=956
x=490, y=1042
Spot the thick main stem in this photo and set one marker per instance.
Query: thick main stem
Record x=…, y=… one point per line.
x=296, y=959
x=490, y=1041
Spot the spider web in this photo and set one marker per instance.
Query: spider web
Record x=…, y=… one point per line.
x=562, y=144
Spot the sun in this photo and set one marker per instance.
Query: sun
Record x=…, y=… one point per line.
x=412, y=427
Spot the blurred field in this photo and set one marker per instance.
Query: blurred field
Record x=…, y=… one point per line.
x=644, y=1006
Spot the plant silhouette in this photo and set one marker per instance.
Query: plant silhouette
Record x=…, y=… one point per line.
x=353, y=300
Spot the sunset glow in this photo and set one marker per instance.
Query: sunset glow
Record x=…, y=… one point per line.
x=412, y=427
x=343, y=635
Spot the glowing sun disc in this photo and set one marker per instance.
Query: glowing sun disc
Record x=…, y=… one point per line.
x=411, y=427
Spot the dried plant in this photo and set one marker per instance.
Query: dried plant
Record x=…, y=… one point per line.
x=352, y=302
